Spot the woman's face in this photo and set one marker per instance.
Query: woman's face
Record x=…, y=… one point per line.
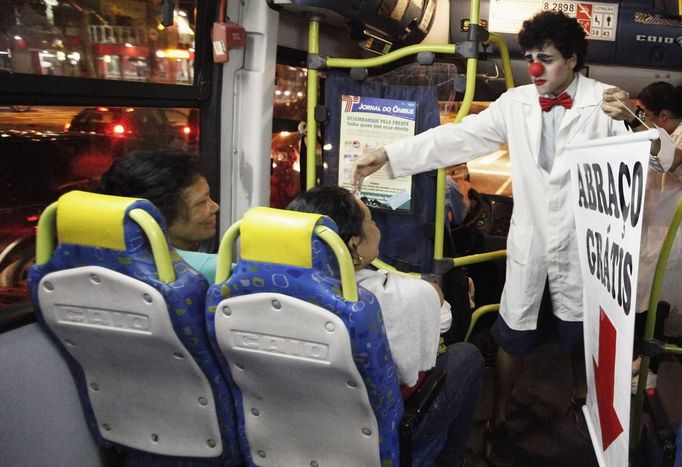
x=365, y=245
x=558, y=71
x=197, y=218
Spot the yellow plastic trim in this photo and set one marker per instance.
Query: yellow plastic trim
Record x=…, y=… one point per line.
x=164, y=266
x=45, y=235
x=349, y=288
x=277, y=236
x=311, y=123
x=224, y=262
x=157, y=240
x=77, y=224
x=389, y=57
x=656, y=286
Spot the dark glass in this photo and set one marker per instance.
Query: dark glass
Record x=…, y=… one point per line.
x=289, y=114
x=48, y=151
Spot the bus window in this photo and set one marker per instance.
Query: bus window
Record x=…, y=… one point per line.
x=47, y=151
x=98, y=40
x=289, y=110
x=490, y=173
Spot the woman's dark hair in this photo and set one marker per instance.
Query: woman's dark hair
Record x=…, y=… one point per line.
x=565, y=33
x=159, y=175
x=662, y=96
x=335, y=202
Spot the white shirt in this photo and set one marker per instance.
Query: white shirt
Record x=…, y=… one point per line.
x=412, y=317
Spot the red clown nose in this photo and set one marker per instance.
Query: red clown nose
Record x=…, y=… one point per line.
x=536, y=69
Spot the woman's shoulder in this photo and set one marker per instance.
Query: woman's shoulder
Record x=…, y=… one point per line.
x=393, y=283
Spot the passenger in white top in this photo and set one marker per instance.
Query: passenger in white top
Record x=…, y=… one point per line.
x=414, y=315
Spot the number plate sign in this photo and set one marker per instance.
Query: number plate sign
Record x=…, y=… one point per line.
x=598, y=19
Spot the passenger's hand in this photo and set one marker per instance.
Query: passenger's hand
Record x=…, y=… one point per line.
x=677, y=159
x=616, y=104
x=439, y=291
x=366, y=165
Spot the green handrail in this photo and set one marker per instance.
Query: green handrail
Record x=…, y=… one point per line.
x=158, y=242
x=504, y=55
x=390, y=57
x=349, y=288
x=46, y=234
x=479, y=258
x=480, y=311
x=656, y=285
x=379, y=264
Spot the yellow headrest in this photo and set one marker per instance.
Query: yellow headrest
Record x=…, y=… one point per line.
x=278, y=236
x=91, y=219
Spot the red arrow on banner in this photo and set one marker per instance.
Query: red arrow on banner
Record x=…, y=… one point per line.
x=604, y=377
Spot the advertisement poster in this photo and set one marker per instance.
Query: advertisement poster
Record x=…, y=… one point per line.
x=608, y=179
x=599, y=20
x=368, y=123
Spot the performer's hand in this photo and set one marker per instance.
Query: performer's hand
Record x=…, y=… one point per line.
x=366, y=165
x=616, y=104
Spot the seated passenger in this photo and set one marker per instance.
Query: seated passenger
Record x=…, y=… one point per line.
x=171, y=179
x=411, y=310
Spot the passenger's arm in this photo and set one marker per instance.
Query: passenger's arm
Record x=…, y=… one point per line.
x=439, y=291
x=445, y=310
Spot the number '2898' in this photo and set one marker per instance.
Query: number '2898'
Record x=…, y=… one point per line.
x=555, y=6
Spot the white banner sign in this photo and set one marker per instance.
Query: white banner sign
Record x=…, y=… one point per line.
x=608, y=177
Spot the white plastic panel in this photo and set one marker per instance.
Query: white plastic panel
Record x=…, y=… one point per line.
x=146, y=390
x=304, y=400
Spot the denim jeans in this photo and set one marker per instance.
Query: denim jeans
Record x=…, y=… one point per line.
x=442, y=436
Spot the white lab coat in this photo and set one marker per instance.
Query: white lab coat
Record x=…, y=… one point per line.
x=542, y=240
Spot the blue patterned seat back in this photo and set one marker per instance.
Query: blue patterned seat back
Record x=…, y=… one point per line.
x=184, y=298
x=317, y=283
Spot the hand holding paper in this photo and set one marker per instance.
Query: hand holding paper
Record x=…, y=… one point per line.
x=366, y=165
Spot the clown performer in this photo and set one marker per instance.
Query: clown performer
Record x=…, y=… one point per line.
x=538, y=121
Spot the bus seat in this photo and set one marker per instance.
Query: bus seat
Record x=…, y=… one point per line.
x=304, y=345
x=128, y=314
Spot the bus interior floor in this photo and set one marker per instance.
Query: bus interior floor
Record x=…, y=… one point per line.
x=543, y=433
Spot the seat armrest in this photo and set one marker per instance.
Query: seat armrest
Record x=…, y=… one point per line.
x=416, y=408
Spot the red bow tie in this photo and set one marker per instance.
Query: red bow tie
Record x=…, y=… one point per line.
x=546, y=103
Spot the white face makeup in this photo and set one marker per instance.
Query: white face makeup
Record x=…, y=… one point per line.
x=557, y=73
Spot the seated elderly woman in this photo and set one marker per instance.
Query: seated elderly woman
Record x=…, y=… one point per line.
x=414, y=314
x=172, y=180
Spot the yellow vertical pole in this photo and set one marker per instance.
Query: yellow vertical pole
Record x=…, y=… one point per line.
x=464, y=109
x=311, y=124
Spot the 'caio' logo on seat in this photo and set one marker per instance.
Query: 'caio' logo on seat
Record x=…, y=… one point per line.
x=296, y=348
x=97, y=317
